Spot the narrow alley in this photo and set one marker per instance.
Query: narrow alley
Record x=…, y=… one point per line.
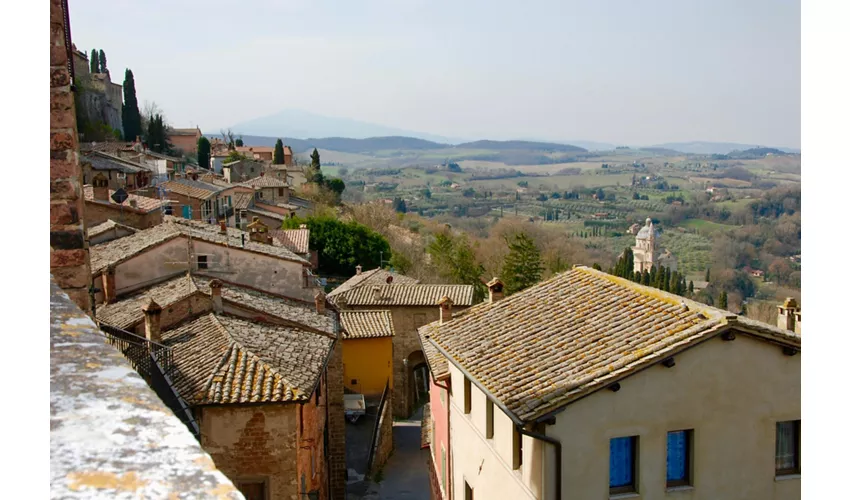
x=405, y=475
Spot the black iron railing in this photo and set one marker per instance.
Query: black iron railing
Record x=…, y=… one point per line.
x=377, y=427
x=155, y=363
x=140, y=352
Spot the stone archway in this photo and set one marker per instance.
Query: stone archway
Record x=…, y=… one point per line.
x=416, y=380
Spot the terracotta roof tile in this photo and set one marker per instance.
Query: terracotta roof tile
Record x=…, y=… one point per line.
x=407, y=295
x=366, y=324
x=144, y=204
x=107, y=226
x=117, y=251
x=264, y=181
x=222, y=359
x=297, y=240
x=437, y=363
x=376, y=276
x=192, y=189
x=241, y=201
x=104, y=161
x=126, y=313
x=540, y=349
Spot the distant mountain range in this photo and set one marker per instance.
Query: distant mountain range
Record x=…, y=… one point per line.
x=708, y=148
x=303, y=124
x=347, y=135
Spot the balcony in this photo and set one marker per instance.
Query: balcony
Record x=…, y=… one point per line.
x=110, y=435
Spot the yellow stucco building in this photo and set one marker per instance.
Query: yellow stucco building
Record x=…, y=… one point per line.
x=367, y=347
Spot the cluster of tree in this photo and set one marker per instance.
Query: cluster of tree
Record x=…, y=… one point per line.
x=453, y=167
x=97, y=61
x=314, y=174
x=156, y=135
x=523, y=266
x=131, y=118
x=661, y=277
x=638, y=196
x=204, y=152
x=671, y=199
x=399, y=205
x=342, y=245
x=454, y=260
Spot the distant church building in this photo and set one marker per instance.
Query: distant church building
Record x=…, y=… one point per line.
x=646, y=250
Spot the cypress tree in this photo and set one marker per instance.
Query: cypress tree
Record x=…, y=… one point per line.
x=723, y=302
x=597, y=266
x=630, y=262
x=653, y=275
x=277, y=158
x=667, y=280
x=691, y=287
x=315, y=162
x=102, y=60
x=674, y=282
x=708, y=274
x=204, y=152
x=94, y=63
x=131, y=119
x=644, y=278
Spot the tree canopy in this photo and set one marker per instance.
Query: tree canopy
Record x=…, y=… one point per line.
x=94, y=62
x=522, y=267
x=101, y=56
x=277, y=158
x=455, y=262
x=156, y=135
x=342, y=245
x=131, y=119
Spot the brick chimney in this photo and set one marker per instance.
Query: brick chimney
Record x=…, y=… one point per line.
x=319, y=298
x=215, y=293
x=376, y=292
x=445, y=309
x=359, y=268
x=496, y=289
x=153, y=313
x=100, y=188
x=257, y=231
x=787, y=314
x=109, y=285
x=222, y=226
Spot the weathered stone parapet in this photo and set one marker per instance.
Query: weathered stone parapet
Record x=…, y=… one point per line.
x=110, y=434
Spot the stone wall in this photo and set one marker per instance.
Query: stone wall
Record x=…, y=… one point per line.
x=384, y=441
x=99, y=212
x=336, y=423
x=312, y=463
x=256, y=442
x=69, y=254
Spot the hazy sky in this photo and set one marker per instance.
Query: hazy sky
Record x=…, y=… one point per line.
x=630, y=72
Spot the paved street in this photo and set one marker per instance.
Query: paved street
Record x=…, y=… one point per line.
x=405, y=475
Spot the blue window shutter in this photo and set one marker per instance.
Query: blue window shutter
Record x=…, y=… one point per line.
x=620, y=462
x=676, y=460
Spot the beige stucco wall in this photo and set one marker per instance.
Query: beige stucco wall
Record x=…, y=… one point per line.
x=275, y=275
x=731, y=394
x=487, y=464
x=151, y=266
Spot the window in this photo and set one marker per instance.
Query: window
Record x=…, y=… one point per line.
x=280, y=191
x=467, y=491
x=622, y=465
x=489, y=418
x=443, y=466
x=252, y=490
x=467, y=395
x=679, y=455
x=517, y=448
x=202, y=262
x=788, y=448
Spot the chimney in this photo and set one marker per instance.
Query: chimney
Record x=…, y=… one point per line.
x=359, y=268
x=797, y=322
x=100, y=188
x=389, y=280
x=376, y=292
x=496, y=289
x=134, y=203
x=257, y=231
x=787, y=314
x=215, y=293
x=445, y=309
x=222, y=226
x=109, y=285
x=302, y=226
x=152, y=316
x=320, y=302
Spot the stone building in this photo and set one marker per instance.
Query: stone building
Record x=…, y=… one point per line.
x=253, y=368
x=140, y=212
x=99, y=99
x=204, y=201
x=185, y=139
x=411, y=305
x=647, y=253
x=100, y=168
x=591, y=386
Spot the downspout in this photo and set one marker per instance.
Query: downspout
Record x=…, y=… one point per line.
x=557, y=444
x=450, y=472
x=517, y=422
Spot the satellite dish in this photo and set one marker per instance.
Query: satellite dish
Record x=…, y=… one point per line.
x=120, y=196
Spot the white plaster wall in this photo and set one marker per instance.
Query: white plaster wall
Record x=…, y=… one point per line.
x=731, y=393
x=485, y=464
